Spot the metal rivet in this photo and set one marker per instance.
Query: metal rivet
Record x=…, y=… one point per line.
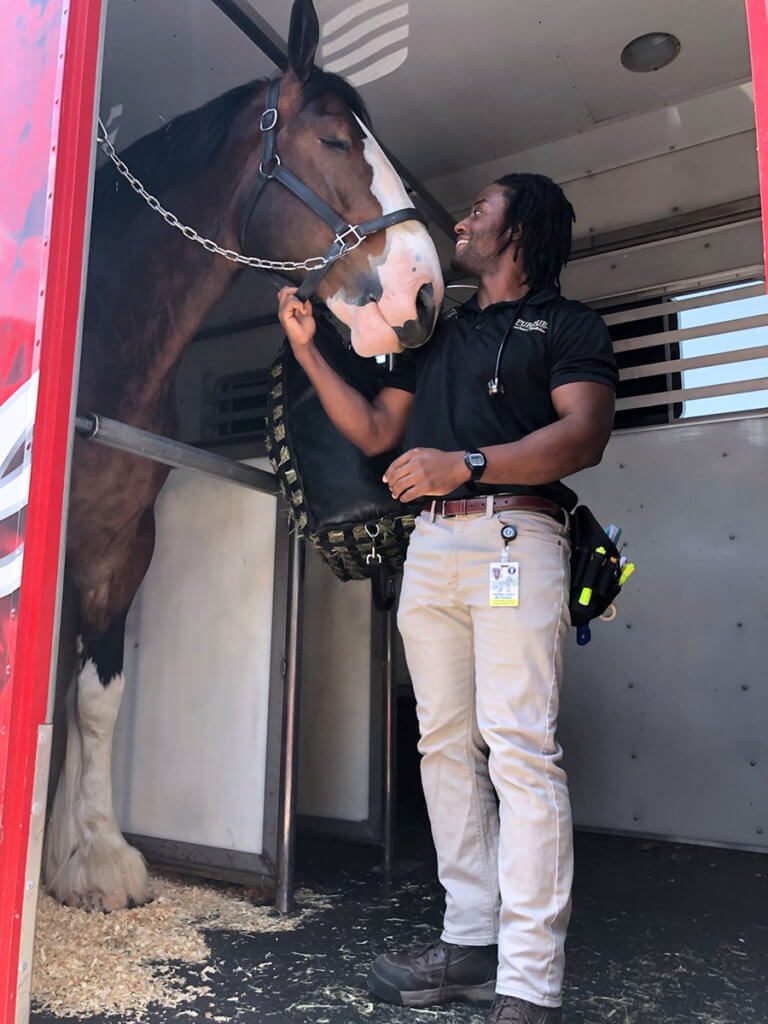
x=739, y=624
x=731, y=536
x=759, y=830
x=629, y=625
x=744, y=686
x=753, y=763
x=636, y=817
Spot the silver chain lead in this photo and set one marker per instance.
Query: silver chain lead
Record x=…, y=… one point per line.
x=313, y=263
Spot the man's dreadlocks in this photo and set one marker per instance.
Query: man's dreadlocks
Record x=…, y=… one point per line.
x=538, y=207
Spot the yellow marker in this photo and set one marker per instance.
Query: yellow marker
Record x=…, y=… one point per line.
x=629, y=568
x=585, y=596
x=601, y=550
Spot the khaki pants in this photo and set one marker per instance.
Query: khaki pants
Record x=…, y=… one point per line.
x=487, y=683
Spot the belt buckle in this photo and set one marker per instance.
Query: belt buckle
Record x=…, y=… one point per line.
x=442, y=509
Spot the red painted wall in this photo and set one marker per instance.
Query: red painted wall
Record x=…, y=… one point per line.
x=48, y=58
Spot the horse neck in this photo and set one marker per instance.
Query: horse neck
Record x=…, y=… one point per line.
x=148, y=293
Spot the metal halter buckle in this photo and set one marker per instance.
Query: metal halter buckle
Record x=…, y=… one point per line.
x=357, y=238
x=269, y=114
x=275, y=161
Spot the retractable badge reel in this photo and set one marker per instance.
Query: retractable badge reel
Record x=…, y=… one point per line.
x=504, y=586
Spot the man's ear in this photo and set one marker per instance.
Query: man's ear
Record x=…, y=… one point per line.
x=303, y=38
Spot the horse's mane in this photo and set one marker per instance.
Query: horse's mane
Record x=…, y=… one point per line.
x=191, y=141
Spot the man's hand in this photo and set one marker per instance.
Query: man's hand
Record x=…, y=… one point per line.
x=297, y=320
x=426, y=472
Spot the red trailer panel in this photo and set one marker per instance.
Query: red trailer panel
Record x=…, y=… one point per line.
x=47, y=82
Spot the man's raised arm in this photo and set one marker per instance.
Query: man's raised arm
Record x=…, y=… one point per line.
x=374, y=427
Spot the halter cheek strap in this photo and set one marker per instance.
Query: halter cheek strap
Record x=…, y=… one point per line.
x=347, y=236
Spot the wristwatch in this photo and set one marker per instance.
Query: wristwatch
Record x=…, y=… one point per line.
x=476, y=463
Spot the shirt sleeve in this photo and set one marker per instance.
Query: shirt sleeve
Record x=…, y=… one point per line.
x=581, y=349
x=403, y=375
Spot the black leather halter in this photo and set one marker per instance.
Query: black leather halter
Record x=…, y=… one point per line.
x=347, y=236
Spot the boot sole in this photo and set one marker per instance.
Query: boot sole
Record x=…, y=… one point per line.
x=430, y=996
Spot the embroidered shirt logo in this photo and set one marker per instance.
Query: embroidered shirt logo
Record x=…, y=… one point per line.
x=531, y=325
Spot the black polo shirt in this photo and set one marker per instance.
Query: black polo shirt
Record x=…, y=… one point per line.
x=554, y=341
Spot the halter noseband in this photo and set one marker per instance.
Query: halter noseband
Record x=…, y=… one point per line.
x=347, y=236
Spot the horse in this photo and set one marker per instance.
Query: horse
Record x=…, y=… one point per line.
x=148, y=290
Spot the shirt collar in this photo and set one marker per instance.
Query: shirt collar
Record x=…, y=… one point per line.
x=540, y=298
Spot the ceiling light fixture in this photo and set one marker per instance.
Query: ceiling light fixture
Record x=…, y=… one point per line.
x=650, y=52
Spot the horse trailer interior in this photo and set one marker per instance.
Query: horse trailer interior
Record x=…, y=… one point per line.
x=266, y=738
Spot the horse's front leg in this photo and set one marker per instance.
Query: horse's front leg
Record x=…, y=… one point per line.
x=88, y=863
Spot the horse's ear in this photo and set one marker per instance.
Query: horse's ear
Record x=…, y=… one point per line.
x=303, y=38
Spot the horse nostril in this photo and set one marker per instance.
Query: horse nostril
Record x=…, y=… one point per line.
x=425, y=306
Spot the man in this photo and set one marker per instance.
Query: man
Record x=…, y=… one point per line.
x=514, y=391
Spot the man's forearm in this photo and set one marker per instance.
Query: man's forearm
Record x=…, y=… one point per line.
x=349, y=411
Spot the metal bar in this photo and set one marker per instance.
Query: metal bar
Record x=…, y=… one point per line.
x=739, y=211
x=125, y=438
x=741, y=355
x=275, y=47
x=688, y=394
x=691, y=333
x=257, y=29
x=749, y=273
x=286, y=853
x=390, y=720
x=626, y=316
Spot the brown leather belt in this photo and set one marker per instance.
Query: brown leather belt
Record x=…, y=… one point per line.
x=469, y=506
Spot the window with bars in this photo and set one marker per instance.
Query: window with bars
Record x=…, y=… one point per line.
x=692, y=354
x=235, y=407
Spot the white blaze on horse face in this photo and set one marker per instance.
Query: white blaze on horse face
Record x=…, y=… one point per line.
x=408, y=262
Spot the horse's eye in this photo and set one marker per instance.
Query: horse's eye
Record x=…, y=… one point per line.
x=339, y=144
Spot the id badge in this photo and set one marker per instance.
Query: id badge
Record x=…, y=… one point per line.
x=504, y=589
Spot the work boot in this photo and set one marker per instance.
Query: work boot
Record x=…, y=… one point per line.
x=511, y=1010
x=438, y=974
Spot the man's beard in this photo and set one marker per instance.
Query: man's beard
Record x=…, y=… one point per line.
x=467, y=261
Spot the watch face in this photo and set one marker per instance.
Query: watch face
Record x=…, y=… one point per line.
x=476, y=459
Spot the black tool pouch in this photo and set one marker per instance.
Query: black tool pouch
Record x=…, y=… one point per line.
x=590, y=569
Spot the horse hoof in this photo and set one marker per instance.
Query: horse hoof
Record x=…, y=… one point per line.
x=110, y=875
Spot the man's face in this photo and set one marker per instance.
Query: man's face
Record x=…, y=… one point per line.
x=481, y=234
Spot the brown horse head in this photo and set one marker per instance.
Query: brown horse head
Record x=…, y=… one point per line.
x=389, y=289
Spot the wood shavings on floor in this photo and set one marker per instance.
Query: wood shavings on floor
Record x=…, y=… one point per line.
x=92, y=963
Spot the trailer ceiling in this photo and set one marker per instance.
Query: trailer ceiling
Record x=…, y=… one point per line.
x=480, y=81
x=484, y=88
